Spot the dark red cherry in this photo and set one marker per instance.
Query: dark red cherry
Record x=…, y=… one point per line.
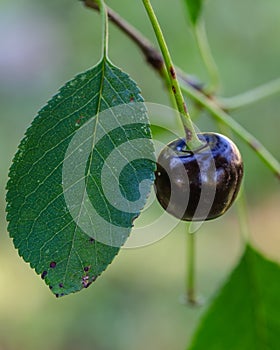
x=199, y=185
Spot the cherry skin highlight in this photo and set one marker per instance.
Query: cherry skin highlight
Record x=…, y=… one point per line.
x=202, y=184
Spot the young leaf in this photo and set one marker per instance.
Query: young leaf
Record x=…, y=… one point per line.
x=74, y=184
x=245, y=314
x=194, y=8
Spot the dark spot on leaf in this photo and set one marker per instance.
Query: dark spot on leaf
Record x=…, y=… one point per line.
x=61, y=285
x=173, y=73
x=53, y=264
x=56, y=213
x=85, y=281
x=79, y=120
x=131, y=99
x=86, y=268
x=59, y=295
x=44, y=274
x=174, y=89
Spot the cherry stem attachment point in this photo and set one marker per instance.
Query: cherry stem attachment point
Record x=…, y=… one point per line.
x=192, y=139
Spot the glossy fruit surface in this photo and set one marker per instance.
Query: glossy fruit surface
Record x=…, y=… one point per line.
x=199, y=185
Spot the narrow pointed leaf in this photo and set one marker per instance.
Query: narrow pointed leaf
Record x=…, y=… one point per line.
x=194, y=8
x=73, y=191
x=245, y=314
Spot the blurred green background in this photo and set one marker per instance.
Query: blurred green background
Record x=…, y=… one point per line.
x=137, y=303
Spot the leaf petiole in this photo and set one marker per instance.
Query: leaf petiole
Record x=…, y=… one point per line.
x=104, y=15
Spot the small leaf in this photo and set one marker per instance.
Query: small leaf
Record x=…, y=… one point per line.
x=194, y=8
x=245, y=314
x=74, y=184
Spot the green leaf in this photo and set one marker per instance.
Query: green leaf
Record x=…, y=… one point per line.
x=245, y=314
x=194, y=8
x=80, y=177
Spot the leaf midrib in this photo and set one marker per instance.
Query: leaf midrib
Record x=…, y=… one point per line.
x=72, y=248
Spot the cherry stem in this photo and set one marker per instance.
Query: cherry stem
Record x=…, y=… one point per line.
x=192, y=139
x=190, y=287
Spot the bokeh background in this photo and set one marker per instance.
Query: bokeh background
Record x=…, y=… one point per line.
x=137, y=303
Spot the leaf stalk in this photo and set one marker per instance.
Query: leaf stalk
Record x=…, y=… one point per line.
x=104, y=15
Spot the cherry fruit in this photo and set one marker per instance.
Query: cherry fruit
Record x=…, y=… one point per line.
x=202, y=184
